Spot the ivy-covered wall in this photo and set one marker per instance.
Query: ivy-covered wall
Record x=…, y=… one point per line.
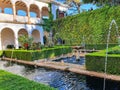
x=88, y=27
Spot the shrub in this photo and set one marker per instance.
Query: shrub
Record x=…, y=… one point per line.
x=25, y=41
x=1, y=53
x=114, y=52
x=36, y=46
x=37, y=54
x=98, y=46
x=96, y=62
x=10, y=46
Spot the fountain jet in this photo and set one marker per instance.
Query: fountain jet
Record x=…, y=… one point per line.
x=108, y=38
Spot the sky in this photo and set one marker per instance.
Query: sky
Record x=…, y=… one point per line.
x=83, y=7
x=88, y=6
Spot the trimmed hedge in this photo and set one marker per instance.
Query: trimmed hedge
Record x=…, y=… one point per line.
x=96, y=62
x=98, y=46
x=1, y=53
x=10, y=81
x=31, y=55
x=115, y=50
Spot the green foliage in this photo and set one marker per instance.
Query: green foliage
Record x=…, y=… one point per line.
x=102, y=2
x=36, y=46
x=10, y=46
x=10, y=81
x=25, y=41
x=115, y=50
x=31, y=55
x=92, y=25
x=74, y=4
x=1, y=53
x=96, y=61
x=118, y=40
x=48, y=23
x=98, y=46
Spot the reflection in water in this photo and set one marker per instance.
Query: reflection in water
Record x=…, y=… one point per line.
x=97, y=84
x=73, y=60
x=59, y=79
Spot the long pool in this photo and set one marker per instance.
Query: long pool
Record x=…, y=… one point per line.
x=59, y=79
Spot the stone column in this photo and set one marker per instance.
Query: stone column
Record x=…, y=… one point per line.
x=28, y=14
x=16, y=41
x=29, y=35
x=2, y=10
x=41, y=37
x=39, y=14
x=14, y=12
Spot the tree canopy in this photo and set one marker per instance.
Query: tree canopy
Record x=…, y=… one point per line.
x=74, y=3
x=102, y=2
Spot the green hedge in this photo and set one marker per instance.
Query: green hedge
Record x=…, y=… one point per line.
x=96, y=62
x=88, y=27
x=10, y=81
x=115, y=50
x=37, y=54
x=1, y=53
x=98, y=46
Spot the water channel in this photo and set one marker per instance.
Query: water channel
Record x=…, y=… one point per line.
x=59, y=79
x=72, y=60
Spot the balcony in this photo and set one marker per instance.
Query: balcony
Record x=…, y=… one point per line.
x=6, y=17
x=22, y=19
x=19, y=19
x=35, y=20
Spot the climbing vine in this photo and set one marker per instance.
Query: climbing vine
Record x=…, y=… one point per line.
x=92, y=25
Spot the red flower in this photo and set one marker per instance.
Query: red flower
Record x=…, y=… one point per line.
x=25, y=45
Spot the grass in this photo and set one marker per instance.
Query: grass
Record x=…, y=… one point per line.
x=10, y=81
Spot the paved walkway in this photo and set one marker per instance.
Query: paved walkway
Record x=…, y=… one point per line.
x=80, y=69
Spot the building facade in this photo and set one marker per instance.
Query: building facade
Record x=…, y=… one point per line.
x=19, y=17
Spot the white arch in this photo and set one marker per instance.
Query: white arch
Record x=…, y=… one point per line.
x=3, y=27
x=29, y=2
x=40, y=29
x=36, y=35
x=7, y=37
x=38, y=13
x=46, y=12
x=24, y=1
x=17, y=27
x=24, y=31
